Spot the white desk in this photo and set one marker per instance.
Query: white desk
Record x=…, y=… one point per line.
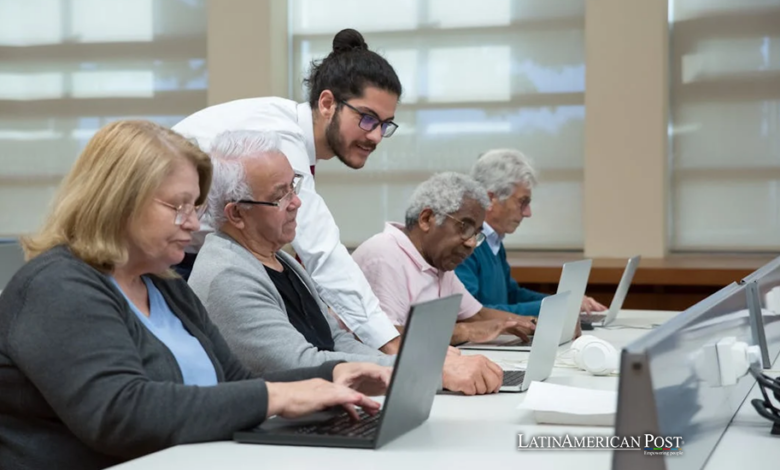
x=462, y=432
x=747, y=442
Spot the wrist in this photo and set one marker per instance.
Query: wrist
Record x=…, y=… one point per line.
x=277, y=398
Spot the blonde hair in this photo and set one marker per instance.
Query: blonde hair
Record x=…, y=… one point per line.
x=118, y=172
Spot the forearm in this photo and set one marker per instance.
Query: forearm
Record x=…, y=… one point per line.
x=460, y=334
x=321, y=371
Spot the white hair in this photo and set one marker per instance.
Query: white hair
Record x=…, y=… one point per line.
x=444, y=193
x=501, y=170
x=228, y=152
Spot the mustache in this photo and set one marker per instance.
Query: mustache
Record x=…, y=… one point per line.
x=369, y=145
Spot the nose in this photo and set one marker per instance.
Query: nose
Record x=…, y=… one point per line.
x=295, y=203
x=375, y=136
x=527, y=212
x=191, y=222
x=470, y=242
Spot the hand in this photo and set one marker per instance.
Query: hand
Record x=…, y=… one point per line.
x=392, y=346
x=525, y=327
x=368, y=379
x=589, y=305
x=483, y=331
x=453, y=351
x=471, y=375
x=296, y=399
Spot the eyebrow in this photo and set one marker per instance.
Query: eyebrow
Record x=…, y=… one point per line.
x=185, y=195
x=281, y=189
x=368, y=110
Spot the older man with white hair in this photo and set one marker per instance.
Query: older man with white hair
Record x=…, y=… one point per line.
x=265, y=304
x=414, y=262
x=509, y=178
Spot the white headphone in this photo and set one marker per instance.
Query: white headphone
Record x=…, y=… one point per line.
x=595, y=355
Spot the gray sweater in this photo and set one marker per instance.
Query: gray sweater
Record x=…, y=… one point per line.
x=83, y=384
x=246, y=306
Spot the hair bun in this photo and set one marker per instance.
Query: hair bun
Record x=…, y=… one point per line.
x=348, y=40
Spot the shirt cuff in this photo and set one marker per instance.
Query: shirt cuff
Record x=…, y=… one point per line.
x=376, y=333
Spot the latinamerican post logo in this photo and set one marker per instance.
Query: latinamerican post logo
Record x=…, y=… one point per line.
x=647, y=443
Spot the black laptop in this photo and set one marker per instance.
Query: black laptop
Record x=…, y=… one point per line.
x=415, y=380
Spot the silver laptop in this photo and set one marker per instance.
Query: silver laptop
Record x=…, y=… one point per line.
x=574, y=279
x=416, y=377
x=604, y=319
x=545, y=349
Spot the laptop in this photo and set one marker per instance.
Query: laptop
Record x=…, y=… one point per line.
x=604, y=319
x=574, y=279
x=11, y=259
x=545, y=349
x=415, y=380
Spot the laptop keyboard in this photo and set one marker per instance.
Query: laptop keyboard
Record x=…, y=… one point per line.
x=513, y=377
x=593, y=318
x=343, y=425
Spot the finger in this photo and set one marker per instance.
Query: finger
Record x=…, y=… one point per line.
x=586, y=306
x=495, y=368
x=353, y=415
x=481, y=383
x=369, y=406
x=521, y=334
x=495, y=380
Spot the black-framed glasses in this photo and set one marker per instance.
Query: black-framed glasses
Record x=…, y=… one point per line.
x=469, y=231
x=369, y=122
x=282, y=202
x=184, y=210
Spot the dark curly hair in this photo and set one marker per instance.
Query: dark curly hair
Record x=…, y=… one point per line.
x=349, y=68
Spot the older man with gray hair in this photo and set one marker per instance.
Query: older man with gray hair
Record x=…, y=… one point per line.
x=509, y=178
x=414, y=262
x=264, y=303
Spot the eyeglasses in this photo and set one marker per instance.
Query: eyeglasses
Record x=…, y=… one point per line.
x=469, y=231
x=282, y=202
x=369, y=122
x=183, y=211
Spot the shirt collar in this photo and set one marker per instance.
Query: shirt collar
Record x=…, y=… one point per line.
x=492, y=238
x=306, y=124
x=395, y=230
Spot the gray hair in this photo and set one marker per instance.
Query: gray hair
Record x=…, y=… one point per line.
x=444, y=193
x=501, y=170
x=228, y=152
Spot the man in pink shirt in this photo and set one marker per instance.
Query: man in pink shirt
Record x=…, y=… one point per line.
x=412, y=263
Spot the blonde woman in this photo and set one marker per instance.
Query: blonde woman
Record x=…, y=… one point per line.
x=105, y=355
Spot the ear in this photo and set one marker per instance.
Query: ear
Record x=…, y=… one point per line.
x=327, y=104
x=234, y=216
x=427, y=220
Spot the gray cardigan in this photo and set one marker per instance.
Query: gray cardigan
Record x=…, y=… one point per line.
x=246, y=306
x=83, y=384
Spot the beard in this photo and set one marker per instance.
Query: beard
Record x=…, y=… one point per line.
x=336, y=142
x=334, y=139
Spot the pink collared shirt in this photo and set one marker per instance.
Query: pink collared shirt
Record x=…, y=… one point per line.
x=400, y=276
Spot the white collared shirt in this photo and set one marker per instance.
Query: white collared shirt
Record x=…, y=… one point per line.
x=492, y=238
x=340, y=283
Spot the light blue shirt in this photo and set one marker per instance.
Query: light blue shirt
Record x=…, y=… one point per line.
x=196, y=367
x=492, y=238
